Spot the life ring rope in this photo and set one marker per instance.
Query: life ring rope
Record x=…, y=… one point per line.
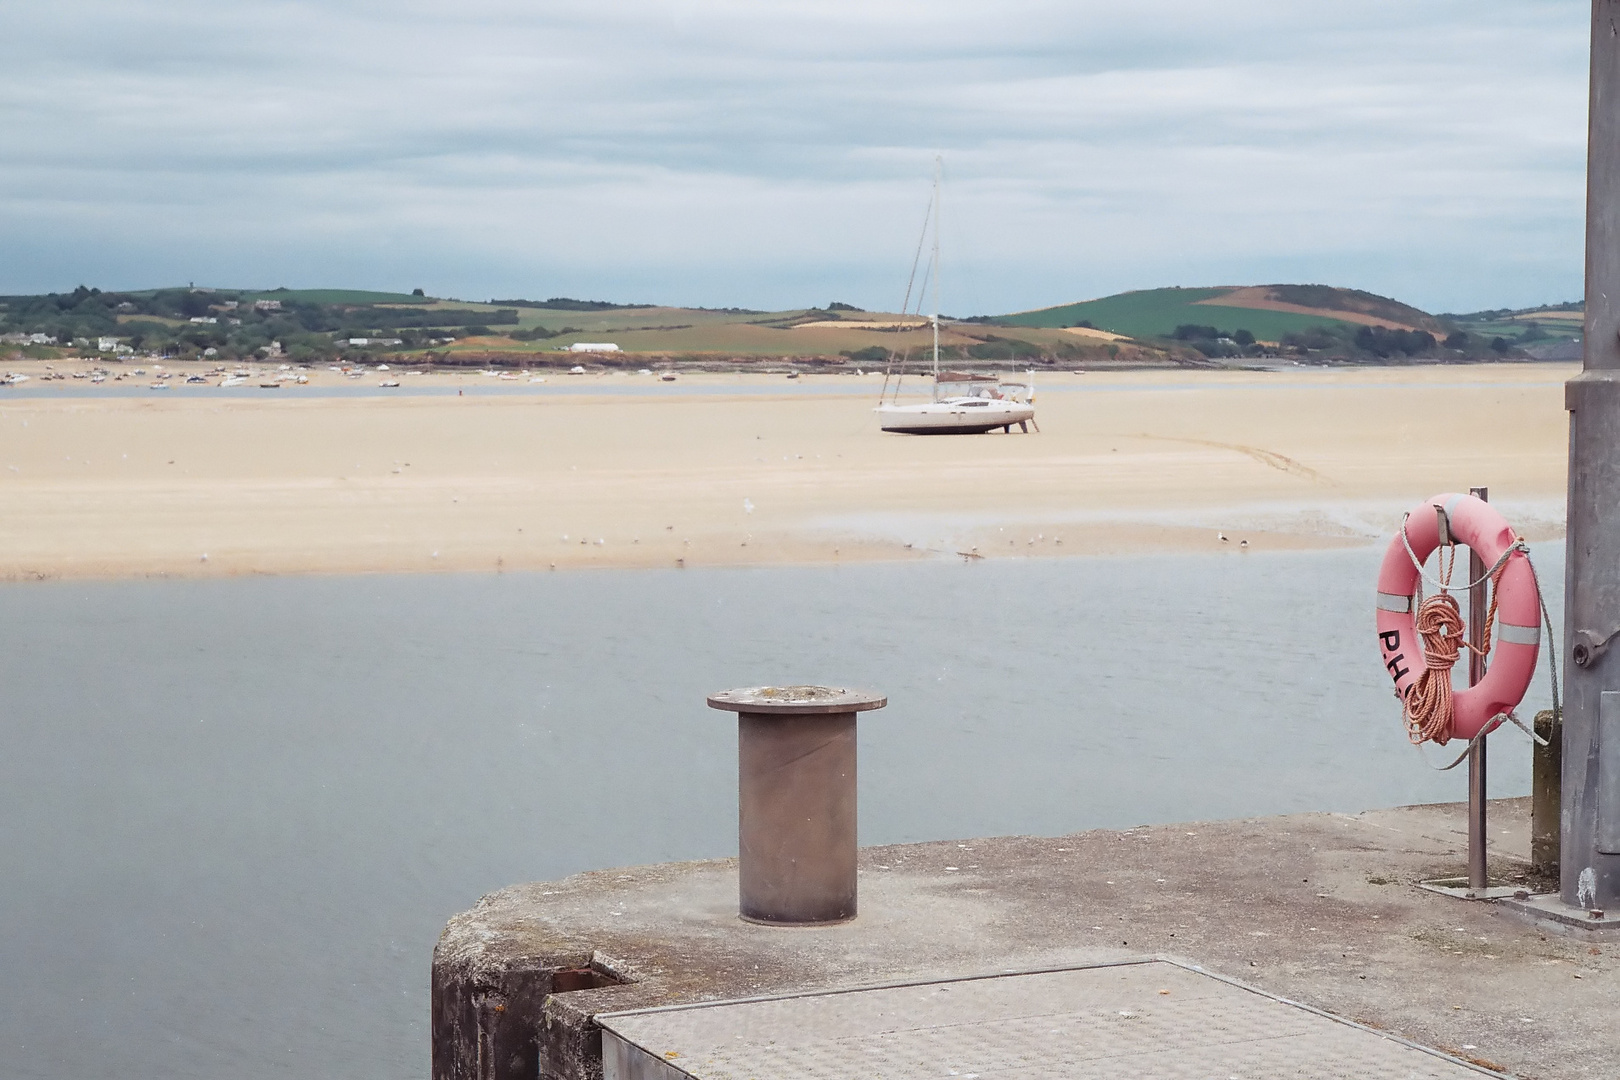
x=1438, y=622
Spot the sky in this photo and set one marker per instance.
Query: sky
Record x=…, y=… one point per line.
x=769, y=155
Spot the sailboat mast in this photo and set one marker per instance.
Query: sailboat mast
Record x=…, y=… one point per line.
x=937, y=208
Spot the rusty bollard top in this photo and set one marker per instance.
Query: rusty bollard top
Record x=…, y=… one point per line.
x=796, y=700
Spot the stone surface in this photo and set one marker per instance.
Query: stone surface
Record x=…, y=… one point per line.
x=1319, y=908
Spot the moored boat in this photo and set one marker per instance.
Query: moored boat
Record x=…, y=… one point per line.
x=963, y=403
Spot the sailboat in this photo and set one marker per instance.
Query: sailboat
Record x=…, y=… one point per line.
x=963, y=403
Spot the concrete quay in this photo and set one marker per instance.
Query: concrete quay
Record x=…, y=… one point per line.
x=1322, y=909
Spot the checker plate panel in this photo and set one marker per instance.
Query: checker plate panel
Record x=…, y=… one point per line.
x=1141, y=1020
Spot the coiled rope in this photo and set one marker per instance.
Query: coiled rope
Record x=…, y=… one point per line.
x=1429, y=711
x=1428, y=708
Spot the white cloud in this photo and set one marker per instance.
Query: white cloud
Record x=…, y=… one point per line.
x=729, y=152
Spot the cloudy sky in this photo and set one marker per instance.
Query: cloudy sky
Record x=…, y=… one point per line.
x=773, y=154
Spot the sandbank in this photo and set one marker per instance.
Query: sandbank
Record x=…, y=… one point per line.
x=185, y=483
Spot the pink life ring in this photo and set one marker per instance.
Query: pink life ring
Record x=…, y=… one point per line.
x=1516, y=642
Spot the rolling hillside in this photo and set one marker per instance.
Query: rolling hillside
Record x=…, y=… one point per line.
x=1203, y=326
x=1266, y=311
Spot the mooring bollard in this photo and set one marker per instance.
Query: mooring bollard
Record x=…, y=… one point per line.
x=1546, y=793
x=796, y=800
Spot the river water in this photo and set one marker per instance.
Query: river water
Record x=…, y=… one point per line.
x=234, y=814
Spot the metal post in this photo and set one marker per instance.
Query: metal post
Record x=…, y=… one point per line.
x=1477, y=832
x=1589, y=869
x=1546, y=778
x=796, y=801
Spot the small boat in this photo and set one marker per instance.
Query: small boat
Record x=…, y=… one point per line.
x=963, y=403
x=576, y=370
x=389, y=382
x=195, y=379
x=668, y=376
x=159, y=386
x=272, y=385
x=232, y=380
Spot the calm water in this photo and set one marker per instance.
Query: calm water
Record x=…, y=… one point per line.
x=235, y=814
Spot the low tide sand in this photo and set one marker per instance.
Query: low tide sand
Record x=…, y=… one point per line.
x=188, y=484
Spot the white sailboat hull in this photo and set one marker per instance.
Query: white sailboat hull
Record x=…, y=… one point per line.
x=954, y=416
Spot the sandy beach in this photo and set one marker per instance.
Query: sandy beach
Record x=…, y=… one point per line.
x=638, y=475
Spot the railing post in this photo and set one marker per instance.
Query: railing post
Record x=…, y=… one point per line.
x=1478, y=833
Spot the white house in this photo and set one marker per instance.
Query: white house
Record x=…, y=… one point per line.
x=106, y=344
x=593, y=346
x=204, y=319
x=267, y=305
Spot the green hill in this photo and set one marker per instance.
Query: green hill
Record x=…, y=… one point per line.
x=1155, y=313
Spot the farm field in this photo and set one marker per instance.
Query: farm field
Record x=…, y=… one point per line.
x=676, y=330
x=1539, y=324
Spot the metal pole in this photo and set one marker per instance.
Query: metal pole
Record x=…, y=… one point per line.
x=1477, y=603
x=796, y=801
x=1589, y=852
x=1546, y=780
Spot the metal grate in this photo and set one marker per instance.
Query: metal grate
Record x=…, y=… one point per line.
x=1141, y=1020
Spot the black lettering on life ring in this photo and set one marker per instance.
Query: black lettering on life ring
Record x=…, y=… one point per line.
x=1391, y=640
x=1392, y=665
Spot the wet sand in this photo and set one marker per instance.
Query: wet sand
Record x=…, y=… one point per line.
x=1124, y=462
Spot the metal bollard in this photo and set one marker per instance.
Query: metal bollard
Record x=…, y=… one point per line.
x=796, y=800
x=1546, y=793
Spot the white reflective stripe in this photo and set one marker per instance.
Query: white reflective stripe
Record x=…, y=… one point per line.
x=1391, y=602
x=1518, y=635
x=1451, y=505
